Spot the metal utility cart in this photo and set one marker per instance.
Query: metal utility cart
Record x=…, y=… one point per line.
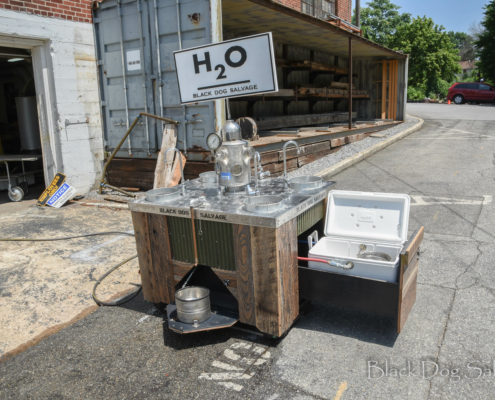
x=17, y=193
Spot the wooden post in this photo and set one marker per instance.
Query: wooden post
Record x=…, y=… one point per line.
x=155, y=257
x=267, y=276
x=384, y=90
x=350, y=83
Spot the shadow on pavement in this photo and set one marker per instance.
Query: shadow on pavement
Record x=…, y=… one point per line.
x=349, y=323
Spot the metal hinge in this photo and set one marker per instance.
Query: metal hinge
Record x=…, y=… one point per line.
x=96, y=20
x=103, y=103
x=101, y=62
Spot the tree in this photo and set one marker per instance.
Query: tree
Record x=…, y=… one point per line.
x=486, y=45
x=432, y=56
x=464, y=43
x=381, y=19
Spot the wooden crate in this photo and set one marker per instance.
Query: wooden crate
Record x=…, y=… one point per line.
x=385, y=298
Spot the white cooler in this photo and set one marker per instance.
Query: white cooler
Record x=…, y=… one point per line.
x=378, y=221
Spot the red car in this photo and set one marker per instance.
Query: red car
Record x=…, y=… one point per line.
x=461, y=92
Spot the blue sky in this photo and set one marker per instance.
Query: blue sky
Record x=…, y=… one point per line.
x=454, y=15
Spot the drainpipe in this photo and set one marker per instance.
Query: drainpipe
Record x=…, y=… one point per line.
x=358, y=13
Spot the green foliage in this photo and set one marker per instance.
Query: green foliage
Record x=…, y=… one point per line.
x=464, y=43
x=415, y=93
x=486, y=44
x=432, y=56
x=381, y=19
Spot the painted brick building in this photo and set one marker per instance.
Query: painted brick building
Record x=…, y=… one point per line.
x=76, y=10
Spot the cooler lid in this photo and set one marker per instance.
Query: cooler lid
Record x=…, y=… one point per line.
x=378, y=216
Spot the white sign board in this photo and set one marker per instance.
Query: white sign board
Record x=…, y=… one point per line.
x=239, y=67
x=133, y=60
x=63, y=194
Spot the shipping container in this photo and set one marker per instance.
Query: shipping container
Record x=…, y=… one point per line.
x=135, y=44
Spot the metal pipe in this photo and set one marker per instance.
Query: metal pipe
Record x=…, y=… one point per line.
x=350, y=83
x=104, y=173
x=183, y=182
x=180, y=48
x=256, y=183
x=358, y=13
x=159, y=73
x=285, y=160
x=228, y=109
x=124, y=75
x=143, y=72
x=194, y=236
x=117, y=189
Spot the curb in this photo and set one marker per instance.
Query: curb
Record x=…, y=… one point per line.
x=344, y=164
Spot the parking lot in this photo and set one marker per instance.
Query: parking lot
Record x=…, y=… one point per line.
x=444, y=352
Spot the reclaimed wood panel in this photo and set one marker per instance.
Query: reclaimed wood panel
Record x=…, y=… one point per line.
x=140, y=222
x=408, y=276
x=384, y=90
x=161, y=259
x=245, y=284
x=265, y=279
x=288, y=274
x=411, y=246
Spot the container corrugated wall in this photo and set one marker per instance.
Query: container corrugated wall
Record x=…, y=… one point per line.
x=124, y=90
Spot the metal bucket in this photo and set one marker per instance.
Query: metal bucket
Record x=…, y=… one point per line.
x=193, y=304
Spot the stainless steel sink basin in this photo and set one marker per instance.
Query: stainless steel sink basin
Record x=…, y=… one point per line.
x=264, y=204
x=163, y=194
x=305, y=182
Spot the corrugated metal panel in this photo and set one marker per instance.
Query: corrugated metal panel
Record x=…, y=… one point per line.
x=310, y=217
x=215, y=245
x=180, y=231
x=214, y=240
x=195, y=21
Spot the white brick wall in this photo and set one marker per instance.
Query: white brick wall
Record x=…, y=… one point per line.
x=73, y=88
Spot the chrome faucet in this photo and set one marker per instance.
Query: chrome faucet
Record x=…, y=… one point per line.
x=183, y=182
x=257, y=158
x=286, y=180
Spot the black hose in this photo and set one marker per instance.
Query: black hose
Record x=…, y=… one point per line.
x=65, y=238
x=127, y=299
x=98, y=301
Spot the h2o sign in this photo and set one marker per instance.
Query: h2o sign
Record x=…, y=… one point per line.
x=239, y=67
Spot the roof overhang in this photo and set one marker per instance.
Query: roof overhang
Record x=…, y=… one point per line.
x=288, y=26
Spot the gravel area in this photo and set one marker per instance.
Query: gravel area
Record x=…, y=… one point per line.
x=351, y=149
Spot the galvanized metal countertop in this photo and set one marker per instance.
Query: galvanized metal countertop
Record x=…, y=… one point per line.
x=230, y=207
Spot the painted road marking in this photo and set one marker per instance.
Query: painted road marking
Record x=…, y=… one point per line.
x=432, y=201
x=243, y=365
x=340, y=392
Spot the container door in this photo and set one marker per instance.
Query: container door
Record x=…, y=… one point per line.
x=126, y=89
x=197, y=119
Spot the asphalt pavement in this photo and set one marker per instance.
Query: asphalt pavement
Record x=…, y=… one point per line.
x=446, y=350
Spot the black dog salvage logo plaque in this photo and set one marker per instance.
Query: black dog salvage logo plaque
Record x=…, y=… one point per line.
x=239, y=67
